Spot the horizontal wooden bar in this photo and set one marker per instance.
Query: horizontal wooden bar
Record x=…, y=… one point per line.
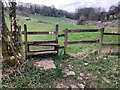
x=110, y=44
x=87, y=30
x=61, y=35
x=60, y=47
x=111, y=33
x=76, y=42
x=35, y=32
x=43, y=50
x=39, y=53
x=40, y=32
x=43, y=44
x=40, y=42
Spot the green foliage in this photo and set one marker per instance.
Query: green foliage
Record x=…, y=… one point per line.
x=28, y=76
x=105, y=67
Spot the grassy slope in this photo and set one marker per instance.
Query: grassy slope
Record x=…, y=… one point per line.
x=102, y=71
x=64, y=23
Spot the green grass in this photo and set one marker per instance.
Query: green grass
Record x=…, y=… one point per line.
x=102, y=69
x=63, y=24
x=32, y=77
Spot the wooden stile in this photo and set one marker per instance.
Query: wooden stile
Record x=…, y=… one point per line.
x=26, y=41
x=65, y=43
x=38, y=53
x=40, y=42
x=35, y=33
x=101, y=40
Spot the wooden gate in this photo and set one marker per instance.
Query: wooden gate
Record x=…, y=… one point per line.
x=53, y=43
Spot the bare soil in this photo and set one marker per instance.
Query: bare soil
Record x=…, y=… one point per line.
x=102, y=24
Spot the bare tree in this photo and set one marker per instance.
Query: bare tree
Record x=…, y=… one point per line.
x=10, y=45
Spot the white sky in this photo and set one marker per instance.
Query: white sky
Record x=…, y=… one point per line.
x=71, y=5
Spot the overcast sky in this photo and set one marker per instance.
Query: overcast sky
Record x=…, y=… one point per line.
x=71, y=5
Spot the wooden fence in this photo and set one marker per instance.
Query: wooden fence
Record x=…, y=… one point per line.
x=80, y=42
x=108, y=44
x=40, y=43
x=100, y=41
x=55, y=44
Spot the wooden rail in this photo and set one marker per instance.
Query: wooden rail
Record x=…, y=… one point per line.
x=78, y=42
x=86, y=30
x=84, y=42
x=40, y=43
x=32, y=33
x=111, y=33
x=40, y=33
x=55, y=42
x=107, y=44
x=111, y=44
x=61, y=35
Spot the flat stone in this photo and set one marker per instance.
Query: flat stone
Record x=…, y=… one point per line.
x=81, y=74
x=79, y=78
x=70, y=73
x=74, y=87
x=61, y=86
x=81, y=85
x=45, y=64
x=85, y=63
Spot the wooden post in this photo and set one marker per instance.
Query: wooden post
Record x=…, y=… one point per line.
x=26, y=43
x=56, y=37
x=65, y=43
x=101, y=40
x=56, y=34
x=119, y=24
x=20, y=41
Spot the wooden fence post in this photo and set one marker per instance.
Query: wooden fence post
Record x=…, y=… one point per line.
x=20, y=41
x=65, y=43
x=26, y=42
x=101, y=40
x=56, y=47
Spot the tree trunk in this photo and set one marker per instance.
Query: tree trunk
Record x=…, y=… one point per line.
x=113, y=16
x=8, y=52
x=15, y=35
x=4, y=37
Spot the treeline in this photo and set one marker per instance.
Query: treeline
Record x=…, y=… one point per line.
x=97, y=14
x=28, y=8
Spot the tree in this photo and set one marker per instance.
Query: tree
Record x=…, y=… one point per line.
x=81, y=20
x=10, y=45
x=112, y=11
x=89, y=13
x=103, y=15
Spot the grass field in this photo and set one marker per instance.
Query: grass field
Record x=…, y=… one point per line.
x=100, y=71
x=48, y=24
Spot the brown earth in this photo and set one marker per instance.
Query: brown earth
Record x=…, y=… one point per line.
x=102, y=24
